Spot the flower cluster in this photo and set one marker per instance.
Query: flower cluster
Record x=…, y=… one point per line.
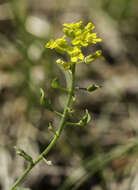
x=80, y=36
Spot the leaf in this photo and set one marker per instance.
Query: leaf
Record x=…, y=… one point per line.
x=86, y=119
x=22, y=153
x=50, y=128
x=90, y=88
x=42, y=101
x=45, y=101
x=93, y=87
x=73, y=98
x=55, y=83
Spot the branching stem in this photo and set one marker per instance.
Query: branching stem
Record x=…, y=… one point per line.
x=56, y=136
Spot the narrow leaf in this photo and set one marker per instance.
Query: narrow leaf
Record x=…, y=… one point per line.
x=86, y=119
x=45, y=101
x=93, y=87
x=55, y=83
x=22, y=153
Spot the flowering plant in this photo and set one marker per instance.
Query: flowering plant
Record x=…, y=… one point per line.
x=80, y=37
x=76, y=36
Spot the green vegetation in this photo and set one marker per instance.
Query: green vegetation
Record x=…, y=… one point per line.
x=80, y=36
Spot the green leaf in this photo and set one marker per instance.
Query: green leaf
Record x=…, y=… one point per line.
x=50, y=128
x=45, y=101
x=90, y=88
x=55, y=83
x=22, y=153
x=86, y=119
x=42, y=98
x=73, y=98
x=93, y=87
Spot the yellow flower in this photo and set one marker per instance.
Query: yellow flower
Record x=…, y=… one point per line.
x=73, y=29
x=60, y=45
x=92, y=57
x=89, y=27
x=65, y=65
x=81, y=36
x=75, y=54
x=75, y=26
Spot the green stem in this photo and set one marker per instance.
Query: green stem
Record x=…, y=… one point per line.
x=58, y=113
x=73, y=124
x=63, y=89
x=57, y=135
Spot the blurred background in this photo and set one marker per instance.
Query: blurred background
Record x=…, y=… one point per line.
x=100, y=156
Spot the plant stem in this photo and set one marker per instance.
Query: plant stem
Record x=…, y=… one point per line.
x=57, y=135
x=73, y=124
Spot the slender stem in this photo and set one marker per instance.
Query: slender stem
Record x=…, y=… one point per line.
x=73, y=124
x=58, y=113
x=63, y=89
x=57, y=135
x=22, y=177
